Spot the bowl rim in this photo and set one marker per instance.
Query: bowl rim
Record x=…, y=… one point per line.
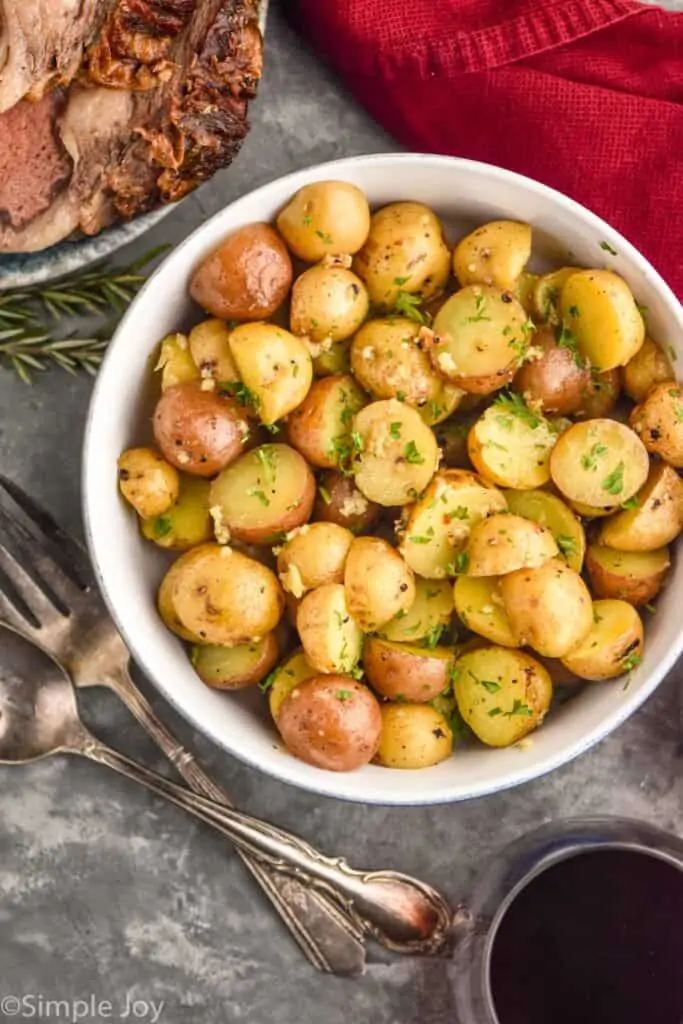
x=332, y=784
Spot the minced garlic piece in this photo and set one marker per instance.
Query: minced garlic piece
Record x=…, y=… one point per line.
x=368, y=352
x=219, y=527
x=341, y=259
x=208, y=384
x=446, y=362
x=292, y=582
x=183, y=458
x=355, y=505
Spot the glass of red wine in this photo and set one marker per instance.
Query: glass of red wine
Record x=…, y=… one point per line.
x=580, y=922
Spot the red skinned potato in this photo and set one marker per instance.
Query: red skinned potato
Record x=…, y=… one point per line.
x=555, y=379
x=339, y=501
x=199, y=431
x=331, y=722
x=247, y=277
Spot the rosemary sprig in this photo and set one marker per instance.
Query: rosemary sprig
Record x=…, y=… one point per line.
x=27, y=341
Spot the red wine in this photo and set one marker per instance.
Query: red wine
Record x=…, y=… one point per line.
x=595, y=939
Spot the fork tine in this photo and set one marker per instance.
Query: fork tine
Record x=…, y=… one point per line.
x=10, y=616
x=30, y=599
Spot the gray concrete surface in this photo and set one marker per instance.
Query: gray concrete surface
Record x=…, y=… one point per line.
x=105, y=893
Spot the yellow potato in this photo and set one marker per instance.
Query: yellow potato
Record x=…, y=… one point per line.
x=147, y=481
x=274, y=365
x=377, y=581
x=396, y=454
x=502, y=694
x=524, y=291
x=511, y=445
x=286, y=676
x=503, y=543
x=404, y=672
x=598, y=308
x=165, y=605
x=479, y=604
x=549, y=607
x=649, y=366
x=404, y=252
x=495, y=254
x=188, y=522
x=546, y=296
x=328, y=302
x=549, y=511
x=321, y=427
x=325, y=217
x=656, y=518
x=175, y=362
x=439, y=524
x=633, y=576
x=427, y=617
x=600, y=463
x=233, y=668
x=613, y=645
x=333, y=360
x=314, y=556
x=659, y=422
x=210, y=350
x=331, y=638
x=413, y=736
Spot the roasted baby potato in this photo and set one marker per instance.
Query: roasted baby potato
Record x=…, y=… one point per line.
x=451, y=437
x=549, y=607
x=598, y=308
x=406, y=672
x=328, y=302
x=649, y=366
x=378, y=583
x=199, y=431
x=503, y=543
x=479, y=604
x=331, y=638
x=480, y=337
x=658, y=421
x=325, y=217
x=316, y=554
x=147, y=481
x=233, y=668
x=320, y=428
x=600, y=463
x=187, y=522
x=274, y=365
x=600, y=395
x=294, y=670
x=656, y=518
x=223, y=597
x=266, y=492
x=339, y=501
x=427, y=617
x=396, y=454
x=511, y=445
x=333, y=359
x=246, y=277
x=549, y=511
x=210, y=349
x=404, y=252
x=546, y=295
x=413, y=736
x=165, y=605
x=556, y=378
x=175, y=362
x=494, y=254
x=438, y=526
x=633, y=576
x=613, y=645
x=332, y=722
x=503, y=695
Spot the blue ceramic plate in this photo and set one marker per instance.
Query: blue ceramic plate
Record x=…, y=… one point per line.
x=19, y=270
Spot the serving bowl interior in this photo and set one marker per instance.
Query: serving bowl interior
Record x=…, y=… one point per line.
x=464, y=194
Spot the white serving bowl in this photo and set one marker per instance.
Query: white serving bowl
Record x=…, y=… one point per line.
x=464, y=194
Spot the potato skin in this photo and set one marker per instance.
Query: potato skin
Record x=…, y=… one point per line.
x=339, y=501
x=600, y=395
x=165, y=605
x=275, y=366
x=550, y=511
x=658, y=421
x=612, y=646
x=147, y=481
x=246, y=277
x=331, y=722
x=187, y=522
x=198, y=431
x=320, y=428
x=377, y=581
x=210, y=350
x=503, y=543
x=549, y=607
x=175, y=362
x=325, y=217
x=599, y=309
x=405, y=672
x=328, y=302
x=234, y=668
x=556, y=380
x=313, y=557
x=649, y=366
x=631, y=576
x=655, y=521
x=413, y=736
x=292, y=671
x=331, y=637
x=495, y=253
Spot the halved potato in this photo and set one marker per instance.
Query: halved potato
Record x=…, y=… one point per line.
x=186, y=523
x=504, y=543
x=495, y=254
x=511, y=445
x=633, y=576
x=427, y=616
x=656, y=518
x=551, y=512
x=658, y=421
x=503, y=695
x=600, y=463
x=439, y=524
x=377, y=581
x=396, y=454
x=275, y=366
x=599, y=309
x=331, y=638
x=315, y=555
x=175, y=361
x=649, y=366
x=546, y=296
x=233, y=668
x=210, y=350
x=147, y=481
x=479, y=604
x=613, y=645
x=406, y=672
x=556, y=378
x=294, y=670
x=549, y=607
x=320, y=428
x=413, y=736
x=333, y=360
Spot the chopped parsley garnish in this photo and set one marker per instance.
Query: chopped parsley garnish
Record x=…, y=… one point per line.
x=254, y=492
x=266, y=683
x=395, y=431
x=326, y=237
x=590, y=459
x=408, y=305
x=614, y=482
x=357, y=442
x=266, y=457
x=494, y=712
x=236, y=389
x=420, y=540
x=480, y=307
x=343, y=695
x=162, y=526
x=458, y=513
x=400, y=396
x=631, y=503
x=567, y=545
x=575, y=312
x=678, y=408
x=650, y=608
x=489, y=685
x=400, y=281
x=325, y=494
x=514, y=405
x=631, y=662
x=435, y=410
x=459, y=565
x=433, y=636
x=672, y=353
x=519, y=708
x=567, y=339
x=412, y=454
x=608, y=248
x=307, y=220
x=272, y=428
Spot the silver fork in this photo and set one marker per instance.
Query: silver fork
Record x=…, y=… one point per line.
x=48, y=592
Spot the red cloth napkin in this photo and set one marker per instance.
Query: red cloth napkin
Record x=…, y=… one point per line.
x=584, y=95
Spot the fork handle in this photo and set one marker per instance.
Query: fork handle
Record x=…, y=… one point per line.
x=329, y=937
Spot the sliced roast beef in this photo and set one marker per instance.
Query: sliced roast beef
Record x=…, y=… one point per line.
x=159, y=104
